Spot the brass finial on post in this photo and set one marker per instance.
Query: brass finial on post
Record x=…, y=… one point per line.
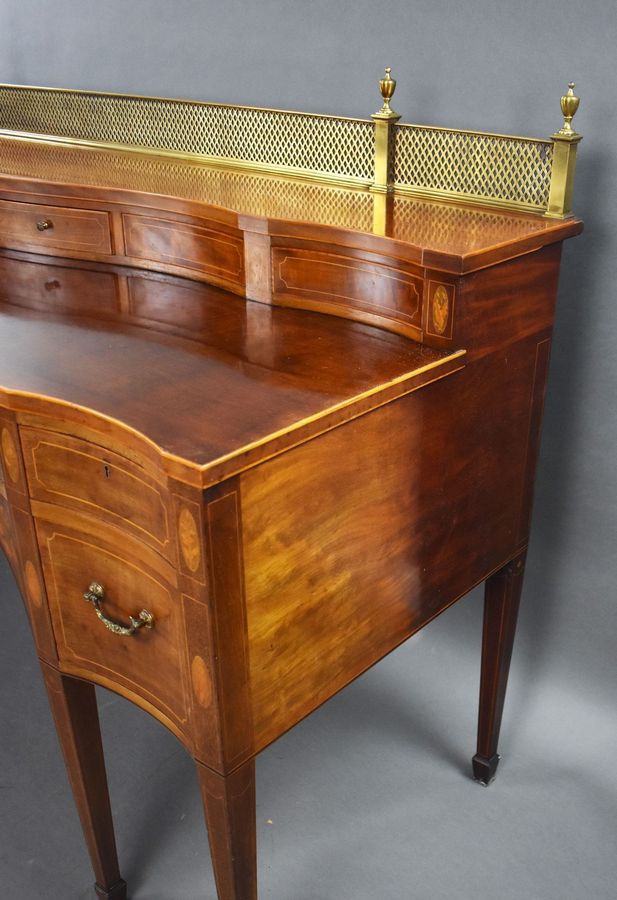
x=384, y=119
x=565, y=143
x=387, y=86
x=569, y=105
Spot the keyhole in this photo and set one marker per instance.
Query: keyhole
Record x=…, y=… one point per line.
x=107, y=471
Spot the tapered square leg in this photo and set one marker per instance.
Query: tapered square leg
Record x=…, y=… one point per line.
x=501, y=603
x=73, y=704
x=229, y=806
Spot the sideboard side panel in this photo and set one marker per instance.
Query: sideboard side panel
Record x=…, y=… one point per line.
x=356, y=539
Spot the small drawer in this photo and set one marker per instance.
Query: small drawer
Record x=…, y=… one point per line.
x=44, y=286
x=215, y=250
x=350, y=283
x=148, y=666
x=88, y=478
x=32, y=226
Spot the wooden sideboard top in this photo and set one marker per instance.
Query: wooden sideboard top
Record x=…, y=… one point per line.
x=447, y=236
x=222, y=381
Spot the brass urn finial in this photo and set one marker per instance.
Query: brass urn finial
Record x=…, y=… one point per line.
x=387, y=86
x=569, y=105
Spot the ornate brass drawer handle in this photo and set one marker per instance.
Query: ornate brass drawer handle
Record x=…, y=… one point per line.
x=96, y=594
x=44, y=225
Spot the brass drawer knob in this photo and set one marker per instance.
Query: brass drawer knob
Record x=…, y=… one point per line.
x=96, y=594
x=44, y=225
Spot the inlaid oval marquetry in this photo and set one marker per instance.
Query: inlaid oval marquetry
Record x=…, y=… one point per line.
x=33, y=585
x=441, y=309
x=202, y=683
x=9, y=453
x=189, y=539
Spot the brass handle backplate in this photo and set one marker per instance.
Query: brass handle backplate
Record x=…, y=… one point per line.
x=44, y=225
x=96, y=594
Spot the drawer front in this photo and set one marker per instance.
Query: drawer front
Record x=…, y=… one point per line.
x=33, y=226
x=83, y=476
x=148, y=666
x=352, y=284
x=58, y=288
x=215, y=252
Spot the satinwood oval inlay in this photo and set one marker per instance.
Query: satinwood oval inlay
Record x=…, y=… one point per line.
x=441, y=309
x=33, y=585
x=202, y=683
x=189, y=539
x=11, y=460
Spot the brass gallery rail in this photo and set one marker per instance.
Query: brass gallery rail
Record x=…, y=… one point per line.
x=466, y=166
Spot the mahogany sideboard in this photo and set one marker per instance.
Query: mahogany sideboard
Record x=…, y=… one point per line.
x=267, y=407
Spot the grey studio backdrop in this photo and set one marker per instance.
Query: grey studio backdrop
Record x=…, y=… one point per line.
x=370, y=798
